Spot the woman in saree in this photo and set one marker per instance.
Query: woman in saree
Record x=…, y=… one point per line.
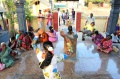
x=49, y=19
x=43, y=36
x=26, y=41
x=97, y=38
x=12, y=43
x=5, y=56
x=106, y=45
x=53, y=37
x=19, y=38
x=47, y=59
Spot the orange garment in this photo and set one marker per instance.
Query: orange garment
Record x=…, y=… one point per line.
x=43, y=37
x=103, y=41
x=49, y=18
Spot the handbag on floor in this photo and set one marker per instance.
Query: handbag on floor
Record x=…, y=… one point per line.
x=2, y=66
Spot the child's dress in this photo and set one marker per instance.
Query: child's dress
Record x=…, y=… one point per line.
x=51, y=71
x=53, y=37
x=97, y=39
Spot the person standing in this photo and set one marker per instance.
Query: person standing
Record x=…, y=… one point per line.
x=73, y=15
x=90, y=19
x=63, y=17
x=49, y=19
x=40, y=19
x=67, y=12
x=59, y=15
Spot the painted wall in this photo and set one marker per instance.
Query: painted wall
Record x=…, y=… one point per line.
x=100, y=24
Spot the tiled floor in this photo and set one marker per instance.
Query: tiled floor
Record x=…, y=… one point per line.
x=87, y=64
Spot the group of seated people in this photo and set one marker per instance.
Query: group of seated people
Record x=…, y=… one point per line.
x=103, y=44
x=51, y=35
x=9, y=52
x=23, y=40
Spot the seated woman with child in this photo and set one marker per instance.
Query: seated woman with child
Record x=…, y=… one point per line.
x=97, y=38
x=26, y=41
x=19, y=38
x=106, y=45
x=53, y=37
x=13, y=45
x=5, y=56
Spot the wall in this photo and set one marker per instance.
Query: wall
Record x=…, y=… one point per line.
x=100, y=24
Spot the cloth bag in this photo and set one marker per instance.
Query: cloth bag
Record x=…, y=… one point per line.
x=115, y=49
x=2, y=66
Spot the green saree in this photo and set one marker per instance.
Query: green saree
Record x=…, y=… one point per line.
x=6, y=58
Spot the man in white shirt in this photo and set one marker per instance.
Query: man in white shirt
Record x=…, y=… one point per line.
x=40, y=19
x=90, y=19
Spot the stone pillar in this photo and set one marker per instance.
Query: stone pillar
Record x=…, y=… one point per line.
x=114, y=15
x=21, y=15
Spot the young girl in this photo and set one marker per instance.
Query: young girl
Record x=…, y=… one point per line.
x=53, y=37
x=106, y=45
x=97, y=38
x=47, y=60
